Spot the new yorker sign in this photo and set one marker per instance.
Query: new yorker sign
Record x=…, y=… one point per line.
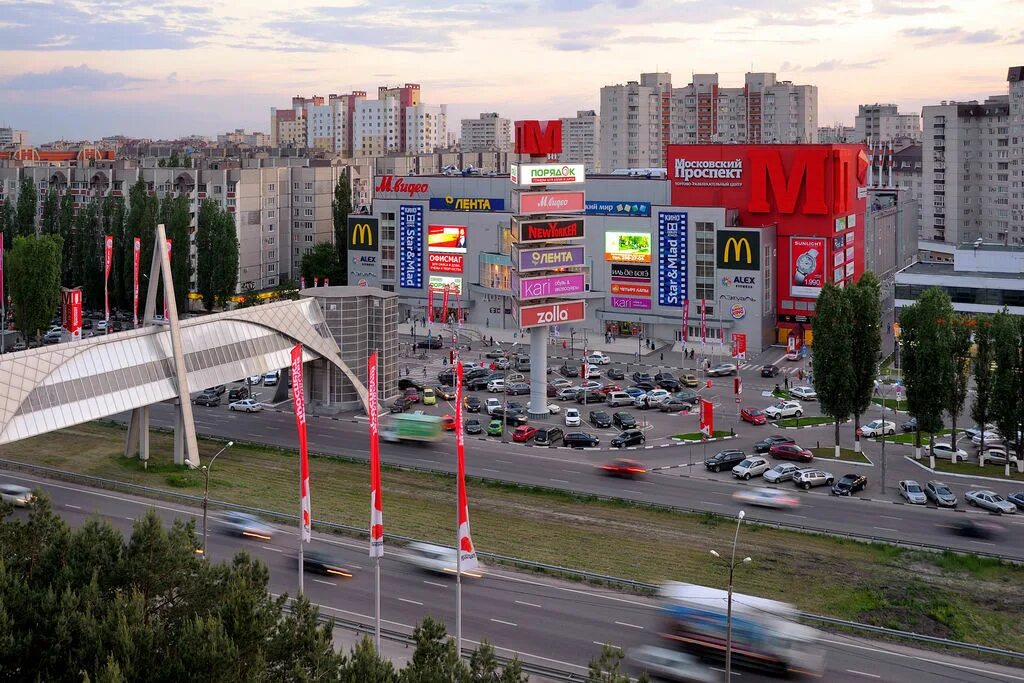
x=548, y=230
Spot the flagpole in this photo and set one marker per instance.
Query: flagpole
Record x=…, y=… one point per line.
x=458, y=524
x=302, y=509
x=376, y=506
x=376, y=603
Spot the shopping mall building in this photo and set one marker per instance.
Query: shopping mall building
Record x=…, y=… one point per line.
x=750, y=232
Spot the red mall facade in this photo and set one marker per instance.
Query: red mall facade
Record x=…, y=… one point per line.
x=814, y=195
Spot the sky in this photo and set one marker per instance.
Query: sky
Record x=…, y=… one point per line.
x=83, y=69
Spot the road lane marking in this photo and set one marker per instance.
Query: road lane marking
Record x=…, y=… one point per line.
x=73, y=507
x=862, y=673
x=411, y=602
x=326, y=583
x=876, y=649
x=528, y=604
x=630, y=491
x=707, y=502
x=507, y=623
x=267, y=547
x=434, y=583
x=622, y=623
x=882, y=528
x=561, y=481
x=898, y=519
x=484, y=469
x=504, y=462
x=787, y=514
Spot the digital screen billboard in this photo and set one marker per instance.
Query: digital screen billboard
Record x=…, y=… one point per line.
x=447, y=238
x=627, y=247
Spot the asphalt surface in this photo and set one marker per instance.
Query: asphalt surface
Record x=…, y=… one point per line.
x=542, y=620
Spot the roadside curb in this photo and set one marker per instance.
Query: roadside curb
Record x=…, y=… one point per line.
x=688, y=442
x=815, y=426
x=1001, y=480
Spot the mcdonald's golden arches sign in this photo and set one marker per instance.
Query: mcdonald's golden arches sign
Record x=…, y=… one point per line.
x=363, y=233
x=738, y=249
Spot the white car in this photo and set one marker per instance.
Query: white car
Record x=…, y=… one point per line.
x=598, y=358
x=271, y=378
x=254, y=380
x=769, y=498
x=100, y=326
x=751, y=467
x=496, y=386
x=804, y=393
x=593, y=372
x=784, y=409
x=492, y=405
x=793, y=355
x=878, y=428
x=572, y=418
x=436, y=558
x=781, y=472
x=246, y=405
x=16, y=495
x=991, y=501
x=671, y=665
x=651, y=398
x=946, y=451
x=723, y=369
x=553, y=408
x=912, y=491
x=992, y=437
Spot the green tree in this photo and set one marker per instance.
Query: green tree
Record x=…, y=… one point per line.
x=927, y=366
x=984, y=359
x=216, y=255
x=112, y=214
x=958, y=332
x=87, y=268
x=65, y=228
x=833, y=350
x=321, y=262
x=435, y=658
x=50, y=221
x=7, y=223
x=341, y=207
x=33, y=280
x=865, y=340
x=140, y=222
x=174, y=214
x=1008, y=385
x=605, y=668
x=25, y=214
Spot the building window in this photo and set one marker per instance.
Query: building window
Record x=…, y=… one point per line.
x=307, y=212
x=271, y=254
x=307, y=238
x=271, y=267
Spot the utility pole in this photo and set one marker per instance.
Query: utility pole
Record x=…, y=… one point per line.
x=206, y=490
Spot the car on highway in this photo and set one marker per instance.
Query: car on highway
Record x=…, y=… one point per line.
x=674, y=404
x=246, y=405
x=523, y=433
x=496, y=386
x=16, y=495
x=473, y=426
x=572, y=417
x=495, y=428
x=688, y=379
x=982, y=529
x=248, y=525
x=630, y=437
x=429, y=397
x=238, y=393
x=671, y=665
x=580, y=440
x=991, y=501
x=548, y=436
x=946, y=451
x=912, y=492
x=599, y=418
x=790, y=451
x=849, y=484
x=877, y=428
x=207, y=399
x=1017, y=498
x=622, y=467
x=752, y=415
x=598, y=358
x=472, y=404
x=769, y=498
x=806, y=478
x=400, y=405
x=909, y=426
x=642, y=377
x=781, y=472
x=770, y=371
x=623, y=420
x=784, y=409
x=615, y=373
x=752, y=466
x=325, y=563
x=724, y=460
x=804, y=393
x=445, y=393
x=765, y=444
x=517, y=388
x=412, y=395
x=940, y=494
x=723, y=370
x=437, y=559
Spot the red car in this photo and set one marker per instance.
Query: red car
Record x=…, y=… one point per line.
x=524, y=433
x=791, y=451
x=412, y=395
x=448, y=422
x=608, y=388
x=753, y=416
x=623, y=468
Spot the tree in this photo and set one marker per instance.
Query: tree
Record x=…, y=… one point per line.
x=321, y=262
x=7, y=223
x=984, y=358
x=33, y=280
x=435, y=658
x=833, y=352
x=1008, y=384
x=25, y=214
x=865, y=340
x=958, y=332
x=87, y=267
x=926, y=361
x=65, y=228
x=140, y=222
x=112, y=214
x=605, y=668
x=176, y=219
x=216, y=255
x=341, y=207
x=50, y=222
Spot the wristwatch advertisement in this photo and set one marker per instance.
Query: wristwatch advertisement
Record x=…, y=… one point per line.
x=807, y=257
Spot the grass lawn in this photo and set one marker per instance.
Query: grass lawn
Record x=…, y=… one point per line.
x=972, y=469
x=781, y=393
x=909, y=437
x=805, y=421
x=891, y=403
x=696, y=436
x=944, y=595
x=845, y=454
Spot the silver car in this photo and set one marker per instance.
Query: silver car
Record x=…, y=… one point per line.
x=672, y=665
x=912, y=491
x=16, y=495
x=990, y=501
x=781, y=472
x=245, y=524
x=940, y=494
x=807, y=478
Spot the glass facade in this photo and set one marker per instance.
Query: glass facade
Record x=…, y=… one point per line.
x=968, y=295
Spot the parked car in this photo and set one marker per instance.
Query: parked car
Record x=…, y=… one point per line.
x=765, y=444
x=548, y=436
x=753, y=416
x=569, y=370
x=615, y=373
x=769, y=498
x=16, y=495
x=651, y=399
x=791, y=451
x=445, y=393
x=674, y=404
x=804, y=393
x=407, y=382
x=623, y=420
x=517, y=388
x=947, y=451
x=560, y=383
x=940, y=494
x=254, y=380
x=1017, y=498
x=629, y=469
x=472, y=404
x=642, y=377
x=644, y=386
x=996, y=455
x=400, y=405
x=324, y=563
x=752, y=466
x=207, y=399
x=101, y=326
x=661, y=376
x=792, y=356
x=246, y=405
x=806, y=478
x=567, y=394
x=429, y=397
x=670, y=384
x=770, y=371
x=238, y=393
x=271, y=378
x=473, y=426
x=430, y=343
x=590, y=395
x=598, y=358
x=618, y=398
x=991, y=501
x=447, y=377
x=220, y=390
x=51, y=338
x=553, y=408
x=496, y=386
x=245, y=524
x=990, y=437
x=849, y=484
x=580, y=440
x=634, y=391
x=877, y=428
x=495, y=428
x=632, y=437
x=599, y=418
x=572, y=417
x=912, y=492
x=784, y=409
x=722, y=370
x=725, y=460
x=910, y=425
x=523, y=433
x=688, y=379
x=781, y=472
x=477, y=383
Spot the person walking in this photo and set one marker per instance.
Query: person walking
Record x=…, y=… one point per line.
x=785, y=383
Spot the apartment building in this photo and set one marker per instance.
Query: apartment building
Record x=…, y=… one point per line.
x=488, y=133
x=635, y=121
x=581, y=140
x=836, y=134
x=1015, y=79
x=883, y=122
x=240, y=137
x=426, y=128
x=9, y=137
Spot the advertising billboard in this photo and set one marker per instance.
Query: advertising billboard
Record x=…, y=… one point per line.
x=531, y=175
x=630, y=289
x=553, y=230
x=445, y=263
x=550, y=202
x=537, y=138
x=671, y=258
x=631, y=271
x=71, y=312
x=552, y=313
x=616, y=208
x=627, y=247
x=450, y=203
x=806, y=266
x=546, y=286
x=446, y=238
x=547, y=259
x=363, y=233
x=410, y=246
x=454, y=284
x=412, y=188
x=626, y=302
x=738, y=249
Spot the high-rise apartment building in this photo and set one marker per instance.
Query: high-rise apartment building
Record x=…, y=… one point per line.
x=581, y=140
x=488, y=133
x=882, y=122
x=11, y=137
x=1015, y=78
x=426, y=128
x=635, y=120
x=836, y=134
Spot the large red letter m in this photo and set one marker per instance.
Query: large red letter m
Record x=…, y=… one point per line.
x=533, y=140
x=807, y=171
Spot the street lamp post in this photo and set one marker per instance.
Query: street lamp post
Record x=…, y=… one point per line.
x=885, y=393
x=206, y=490
x=504, y=406
x=728, y=618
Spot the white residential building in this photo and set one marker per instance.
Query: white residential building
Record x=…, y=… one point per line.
x=426, y=128
x=882, y=122
x=11, y=137
x=581, y=140
x=836, y=134
x=1015, y=78
x=635, y=121
x=488, y=133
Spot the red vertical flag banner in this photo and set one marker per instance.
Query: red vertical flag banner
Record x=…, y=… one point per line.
x=686, y=318
x=466, y=550
x=707, y=418
x=376, y=504
x=108, y=256
x=136, y=254
x=444, y=307
x=327, y=282
x=166, y=317
x=316, y=281
x=299, y=401
x=430, y=305
x=302, y=282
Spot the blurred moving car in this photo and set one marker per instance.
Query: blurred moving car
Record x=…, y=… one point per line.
x=940, y=494
x=17, y=495
x=436, y=558
x=849, y=484
x=246, y=405
x=629, y=469
x=769, y=498
x=671, y=665
x=722, y=370
x=912, y=492
x=765, y=444
x=779, y=473
x=977, y=528
x=448, y=423
x=325, y=563
x=245, y=524
x=991, y=501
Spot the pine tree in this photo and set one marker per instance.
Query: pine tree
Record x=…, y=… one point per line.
x=7, y=223
x=50, y=221
x=341, y=207
x=25, y=214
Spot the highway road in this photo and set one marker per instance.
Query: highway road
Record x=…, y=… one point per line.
x=555, y=623
x=682, y=485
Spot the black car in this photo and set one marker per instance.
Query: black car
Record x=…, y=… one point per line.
x=238, y=394
x=472, y=404
x=641, y=377
x=646, y=386
x=589, y=396
x=976, y=529
x=849, y=484
x=473, y=373
x=910, y=425
x=512, y=417
x=663, y=375
x=447, y=377
x=569, y=371
x=220, y=389
x=580, y=440
x=615, y=373
x=323, y=563
x=1017, y=498
x=548, y=436
x=473, y=426
x=765, y=444
x=430, y=343
x=400, y=405
x=669, y=384
x=477, y=383
x=409, y=383
x=633, y=437
x=624, y=420
x=770, y=371
x=599, y=418
x=688, y=396
x=725, y=460
x=207, y=399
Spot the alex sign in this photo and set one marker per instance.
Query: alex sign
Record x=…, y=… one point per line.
x=547, y=230
x=530, y=175
x=552, y=313
x=550, y=202
x=404, y=187
x=548, y=259
x=445, y=263
x=549, y=285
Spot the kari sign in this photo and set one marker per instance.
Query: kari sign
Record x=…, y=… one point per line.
x=547, y=259
x=625, y=302
x=616, y=208
x=630, y=289
x=445, y=263
x=627, y=247
x=553, y=230
x=550, y=202
x=449, y=238
x=533, y=175
x=410, y=247
x=807, y=266
x=671, y=258
x=555, y=313
x=549, y=285
x=403, y=187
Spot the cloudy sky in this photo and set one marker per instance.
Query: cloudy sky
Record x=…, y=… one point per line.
x=87, y=68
